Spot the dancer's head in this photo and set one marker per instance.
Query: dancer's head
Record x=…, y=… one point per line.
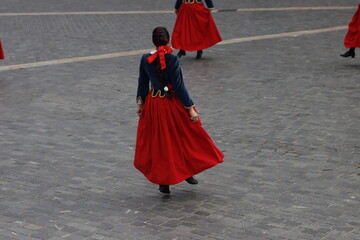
x=160, y=36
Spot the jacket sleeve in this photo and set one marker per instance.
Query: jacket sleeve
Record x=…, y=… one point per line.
x=178, y=4
x=179, y=85
x=209, y=3
x=143, y=83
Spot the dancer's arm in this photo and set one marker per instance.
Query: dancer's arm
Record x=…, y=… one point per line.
x=143, y=87
x=209, y=4
x=178, y=84
x=181, y=91
x=177, y=5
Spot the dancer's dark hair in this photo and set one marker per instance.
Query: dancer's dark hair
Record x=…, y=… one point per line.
x=160, y=37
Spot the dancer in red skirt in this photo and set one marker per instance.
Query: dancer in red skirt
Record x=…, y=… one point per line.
x=352, y=38
x=171, y=144
x=2, y=56
x=195, y=28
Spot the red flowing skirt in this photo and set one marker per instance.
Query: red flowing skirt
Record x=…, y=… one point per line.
x=169, y=146
x=194, y=29
x=2, y=56
x=352, y=38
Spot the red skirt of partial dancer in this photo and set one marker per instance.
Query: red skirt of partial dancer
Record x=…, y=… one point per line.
x=194, y=29
x=169, y=147
x=352, y=38
x=2, y=56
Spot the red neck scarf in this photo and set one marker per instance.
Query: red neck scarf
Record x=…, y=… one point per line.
x=161, y=50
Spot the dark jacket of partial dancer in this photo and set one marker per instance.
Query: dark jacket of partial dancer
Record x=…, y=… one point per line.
x=209, y=3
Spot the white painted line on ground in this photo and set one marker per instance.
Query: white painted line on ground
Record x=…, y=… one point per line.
x=279, y=35
x=172, y=11
x=72, y=60
x=84, y=13
x=285, y=9
x=138, y=52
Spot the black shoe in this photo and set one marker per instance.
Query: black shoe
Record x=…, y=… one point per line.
x=192, y=180
x=199, y=54
x=181, y=53
x=350, y=53
x=164, y=189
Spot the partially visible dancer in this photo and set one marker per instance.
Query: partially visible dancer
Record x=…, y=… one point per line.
x=171, y=144
x=352, y=38
x=2, y=56
x=195, y=28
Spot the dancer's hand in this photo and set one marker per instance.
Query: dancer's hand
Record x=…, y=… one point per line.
x=210, y=9
x=194, y=116
x=176, y=10
x=139, y=109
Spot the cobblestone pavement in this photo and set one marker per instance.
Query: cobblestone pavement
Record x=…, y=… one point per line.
x=285, y=112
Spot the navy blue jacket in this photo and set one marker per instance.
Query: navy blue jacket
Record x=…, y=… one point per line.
x=172, y=74
x=209, y=3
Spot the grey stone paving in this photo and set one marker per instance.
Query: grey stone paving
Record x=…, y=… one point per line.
x=67, y=36
x=284, y=111
x=121, y=5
